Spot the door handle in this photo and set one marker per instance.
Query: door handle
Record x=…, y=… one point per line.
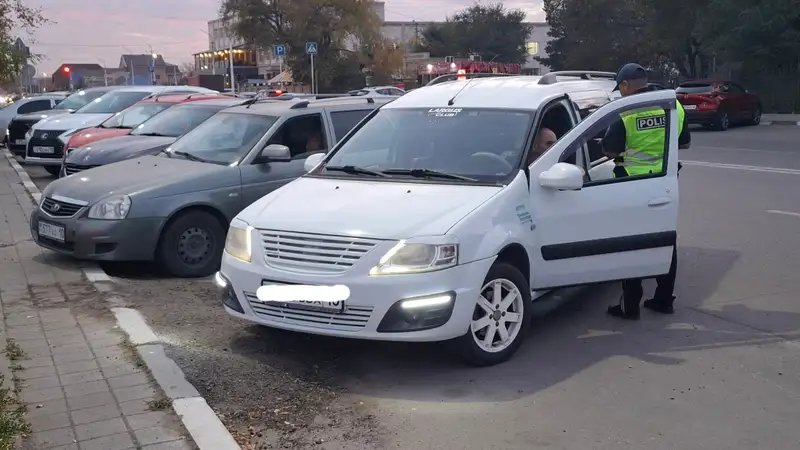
x=659, y=202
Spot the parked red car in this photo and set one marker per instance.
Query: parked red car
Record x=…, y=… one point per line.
x=125, y=121
x=718, y=104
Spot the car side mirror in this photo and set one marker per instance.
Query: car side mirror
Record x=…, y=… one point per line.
x=313, y=161
x=562, y=176
x=275, y=152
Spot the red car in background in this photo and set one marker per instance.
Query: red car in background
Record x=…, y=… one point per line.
x=718, y=104
x=125, y=121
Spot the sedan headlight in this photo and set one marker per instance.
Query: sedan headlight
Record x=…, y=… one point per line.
x=112, y=208
x=28, y=135
x=64, y=137
x=417, y=257
x=238, y=243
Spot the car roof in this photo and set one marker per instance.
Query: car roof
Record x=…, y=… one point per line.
x=182, y=98
x=220, y=100
x=512, y=92
x=273, y=107
x=43, y=97
x=164, y=89
x=702, y=82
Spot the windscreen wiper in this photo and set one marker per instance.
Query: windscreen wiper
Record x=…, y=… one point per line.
x=355, y=170
x=152, y=134
x=192, y=157
x=427, y=173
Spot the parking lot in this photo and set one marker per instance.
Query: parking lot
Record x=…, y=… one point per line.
x=721, y=373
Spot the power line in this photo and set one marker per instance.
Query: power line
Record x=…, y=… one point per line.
x=139, y=44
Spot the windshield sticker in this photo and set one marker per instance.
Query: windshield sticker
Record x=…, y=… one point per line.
x=444, y=112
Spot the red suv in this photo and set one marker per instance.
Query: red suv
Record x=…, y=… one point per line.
x=718, y=104
x=125, y=121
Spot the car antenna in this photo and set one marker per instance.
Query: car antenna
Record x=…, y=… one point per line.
x=453, y=100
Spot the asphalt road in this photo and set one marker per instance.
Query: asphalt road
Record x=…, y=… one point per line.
x=720, y=374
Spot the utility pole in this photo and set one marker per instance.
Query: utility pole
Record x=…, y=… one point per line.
x=230, y=61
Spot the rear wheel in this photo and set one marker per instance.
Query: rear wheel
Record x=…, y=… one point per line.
x=53, y=170
x=756, y=116
x=191, y=245
x=722, y=121
x=500, y=318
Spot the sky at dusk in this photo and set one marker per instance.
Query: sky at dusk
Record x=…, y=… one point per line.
x=99, y=31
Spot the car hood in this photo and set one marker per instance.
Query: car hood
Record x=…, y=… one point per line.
x=37, y=116
x=128, y=177
x=382, y=210
x=71, y=121
x=90, y=135
x=117, y=149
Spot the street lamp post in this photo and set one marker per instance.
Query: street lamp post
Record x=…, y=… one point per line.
x=152, y=66
x=213, y=63
x=105, y=74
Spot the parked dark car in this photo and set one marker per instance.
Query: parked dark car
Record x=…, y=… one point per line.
x=149, y=138
x=719, y=104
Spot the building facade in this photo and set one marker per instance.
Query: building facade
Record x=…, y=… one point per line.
x=137, y=70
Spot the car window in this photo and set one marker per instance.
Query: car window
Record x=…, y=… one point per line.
x=225, y=138
x=690, y=88
x=344, y=121
x=34, y=106
x=79, y=99
x=735, y=88
x=135, y=115
x=176, y=121
x=484, y=145
x=303, y=135
x=113, y=102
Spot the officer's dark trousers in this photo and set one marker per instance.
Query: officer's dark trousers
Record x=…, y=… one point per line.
x=632, y=289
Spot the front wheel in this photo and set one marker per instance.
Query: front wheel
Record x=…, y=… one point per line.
x=191, y=245
x=500, y=318
x=756, y=116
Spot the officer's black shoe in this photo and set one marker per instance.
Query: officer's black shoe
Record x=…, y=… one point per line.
x=616, y=311
x=660, y=306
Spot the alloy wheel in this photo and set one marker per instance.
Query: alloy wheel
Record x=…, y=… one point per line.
x=497, y=318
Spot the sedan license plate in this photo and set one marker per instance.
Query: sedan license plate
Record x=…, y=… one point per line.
x=690, y=107
x=20, y=142
x=51, y=231
x=310, y=305
x=43, y=150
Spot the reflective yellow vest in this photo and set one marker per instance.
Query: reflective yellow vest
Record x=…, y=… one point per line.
x=645, y=136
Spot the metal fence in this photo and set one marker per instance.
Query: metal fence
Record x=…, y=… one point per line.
x=779, y=90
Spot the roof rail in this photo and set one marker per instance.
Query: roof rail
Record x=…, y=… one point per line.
x=305, y=103
x=551, y=77
x=455, y=76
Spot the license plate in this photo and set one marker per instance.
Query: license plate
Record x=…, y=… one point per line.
x=20, y=142
x=50, y=231
x=690, y=107
x=308, y=305
x=43, y=150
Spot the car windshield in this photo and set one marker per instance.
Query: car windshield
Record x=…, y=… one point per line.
x=472, y=144
x=113, y=102
x=79, y=99
x=176, y=121
x=224, y=138
x=135, y=115
x=694, y=89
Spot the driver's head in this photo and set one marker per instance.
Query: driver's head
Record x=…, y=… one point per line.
x=544, y=139
x=314, y=142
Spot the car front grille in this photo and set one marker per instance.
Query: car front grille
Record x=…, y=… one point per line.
x=315, y=253
x=70, y=169
x=16, y=131
x=354, y=318
x=46, y=138
x=60, y=208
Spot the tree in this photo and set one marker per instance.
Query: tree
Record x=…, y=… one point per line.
x=14, y=15
x=384, y=60
x=491, y=31
x=335, y=25
x=187, y=69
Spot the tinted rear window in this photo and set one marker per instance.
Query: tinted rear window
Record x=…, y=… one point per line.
x=695, y=89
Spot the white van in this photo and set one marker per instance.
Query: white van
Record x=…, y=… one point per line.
x=431, y=216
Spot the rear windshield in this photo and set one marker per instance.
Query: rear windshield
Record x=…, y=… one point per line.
x=695, y=89
x=113, y=102
x=135, y=115
x=176, y=121
x=79, y=99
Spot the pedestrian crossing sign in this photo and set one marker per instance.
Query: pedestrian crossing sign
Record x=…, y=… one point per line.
x=311, y=48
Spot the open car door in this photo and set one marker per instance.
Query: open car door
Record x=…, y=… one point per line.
x=591, y=227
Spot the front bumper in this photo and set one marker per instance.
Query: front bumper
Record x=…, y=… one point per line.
x=45, y=159
x=100, y=240
x=371, y=298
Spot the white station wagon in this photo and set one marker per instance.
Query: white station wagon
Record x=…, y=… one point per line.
x=430, y=222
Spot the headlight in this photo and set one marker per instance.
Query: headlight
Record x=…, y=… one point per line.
x=417, y=257
x=64, y=137
x=8, y=133
x=113, y=208
x=238, y=242
x=28, y=135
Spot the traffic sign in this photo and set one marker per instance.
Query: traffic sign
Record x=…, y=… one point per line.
x=311, y=48
x=280, y=50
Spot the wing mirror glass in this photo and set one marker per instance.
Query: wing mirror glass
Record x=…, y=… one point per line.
x=313, y=161
x=275, y=152
x=562, y=176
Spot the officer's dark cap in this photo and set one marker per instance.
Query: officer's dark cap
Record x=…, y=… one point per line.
x=628, y=72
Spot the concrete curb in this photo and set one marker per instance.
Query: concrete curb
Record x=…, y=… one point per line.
x=207, y=431
x=780, y=122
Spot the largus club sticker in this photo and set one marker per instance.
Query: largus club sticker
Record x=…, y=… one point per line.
x=444, y=112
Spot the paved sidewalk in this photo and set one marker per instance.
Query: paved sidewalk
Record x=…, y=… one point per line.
x=83, y=388
x=780, y=119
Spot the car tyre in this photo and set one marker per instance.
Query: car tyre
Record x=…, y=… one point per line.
x=722, y=121
x=53, y=170
x=511, y=314
x=756, y=116
x=191, y=245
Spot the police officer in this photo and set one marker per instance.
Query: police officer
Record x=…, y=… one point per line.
x=639, y=152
